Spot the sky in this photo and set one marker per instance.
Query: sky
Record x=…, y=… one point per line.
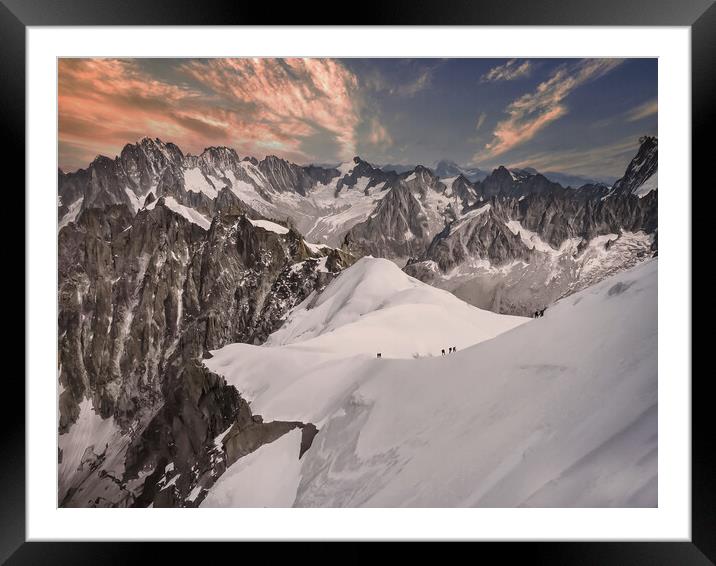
x=578, y=116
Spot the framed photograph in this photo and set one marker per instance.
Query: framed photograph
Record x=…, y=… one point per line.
x=405, y=279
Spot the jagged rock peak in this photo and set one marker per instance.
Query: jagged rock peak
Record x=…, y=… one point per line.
x=273, y=160
x=420, y=169
x=220, y=156
x=640, y=175
x=220, y=150
x=102, y=161
x=154, y=150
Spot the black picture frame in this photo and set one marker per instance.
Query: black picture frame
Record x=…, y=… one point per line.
x=699, y=15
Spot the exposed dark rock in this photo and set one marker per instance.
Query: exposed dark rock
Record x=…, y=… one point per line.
x=641, y=168
x=398, y=227
x=364, y=169
x=142, y=298
x=284, y=176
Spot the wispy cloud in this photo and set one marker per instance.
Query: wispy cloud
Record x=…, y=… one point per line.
x=530, y=113
x=480, y=120
x=421, y=80
x=644, y=110
x=283, y=101
x=510, y=71
x=103, y=103
x=378, y=135
x=257, y=106
x=609, y=159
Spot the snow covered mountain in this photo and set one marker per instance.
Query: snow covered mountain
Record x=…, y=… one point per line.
x=325, y=204
x=558, y=411
x=374, y=307
x=322, y=203
x=512, y=242
x=165, y=257
x=446, y=169
x=526, y=242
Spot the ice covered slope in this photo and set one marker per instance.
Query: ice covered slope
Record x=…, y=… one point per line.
x=374, y=307
x=560, y=412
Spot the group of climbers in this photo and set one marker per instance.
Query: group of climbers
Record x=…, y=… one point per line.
x=451, y=349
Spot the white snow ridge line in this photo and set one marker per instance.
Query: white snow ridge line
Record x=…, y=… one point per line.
x=485, y=426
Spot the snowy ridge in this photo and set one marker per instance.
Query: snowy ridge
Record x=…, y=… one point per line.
x=191, y=214
x=373, y=306
x=195, y=181
x=270, y=226
x=651, y=184
x=74, y=210
x=556, y=412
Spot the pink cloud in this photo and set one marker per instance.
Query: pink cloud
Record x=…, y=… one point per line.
x=378, y=135
x=510, y=71
x=532, y=112
x=290, y=98
x=257, y=106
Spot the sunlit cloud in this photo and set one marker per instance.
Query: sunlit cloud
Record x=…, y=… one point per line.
x=532, y=112
x=406, y=87
x=328, y=110
x=594, y=161
x=510, y=71
x=421, y=82
x=257, y=106
x=649, y=108
x=378, y=135
x=283, y=101
x=103, y=103
x=644, y=110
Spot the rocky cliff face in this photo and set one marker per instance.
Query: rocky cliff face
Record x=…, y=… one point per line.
x=142, y=299
x=641, y=169
x=531, y=241
x=466, y=192
x=416, y=207
x=398, y=227
x=364, y=170
x=127, y=179
x=288, y=177
x=504, y=182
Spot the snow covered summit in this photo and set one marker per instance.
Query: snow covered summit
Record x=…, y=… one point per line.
x=373, y=307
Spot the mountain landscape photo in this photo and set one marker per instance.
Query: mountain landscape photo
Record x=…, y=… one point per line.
x=357, y=283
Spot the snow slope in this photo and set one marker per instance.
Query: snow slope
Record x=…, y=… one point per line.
x=253, y=480
x=74, y=211
x=191, y=214
x=375, y=307
x=558, y=412
x=651, y=184
x=270, y=226
x=329, y=342
x=195, y=181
